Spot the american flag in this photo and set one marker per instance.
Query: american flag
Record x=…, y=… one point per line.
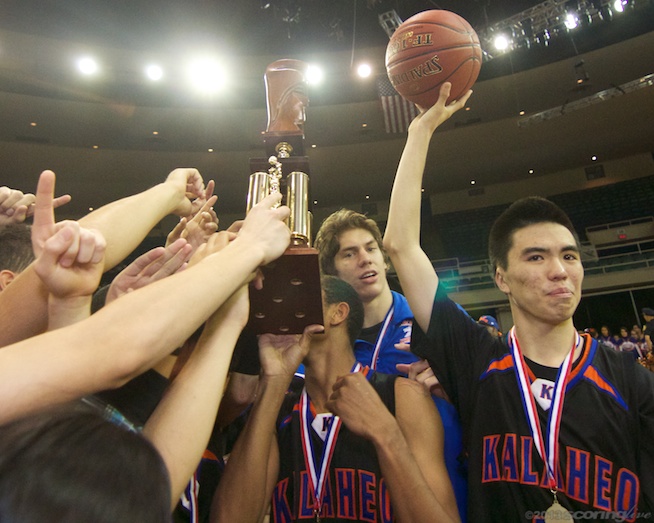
x=398, y=112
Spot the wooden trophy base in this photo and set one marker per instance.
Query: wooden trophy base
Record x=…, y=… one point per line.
x=291, y=297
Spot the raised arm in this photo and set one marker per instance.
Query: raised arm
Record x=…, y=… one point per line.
x=181, y=425
x=128, y=336
x=245, y=490
x=124, y=224
x=409, y=446
x=402, y=236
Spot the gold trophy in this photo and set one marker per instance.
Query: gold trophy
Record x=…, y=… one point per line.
x=291, y=296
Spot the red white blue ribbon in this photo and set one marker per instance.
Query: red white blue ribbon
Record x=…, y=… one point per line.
x=380, y=338
x=318, y=470
x=548, y=448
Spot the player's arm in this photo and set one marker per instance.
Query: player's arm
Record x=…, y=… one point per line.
x=409, y=446
x=253, y=464
x=123, y=223
x=112, y=346
x=181, y=425
x=402, y=236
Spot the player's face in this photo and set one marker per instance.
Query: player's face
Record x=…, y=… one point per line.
x=543, y=275
x=360, y=262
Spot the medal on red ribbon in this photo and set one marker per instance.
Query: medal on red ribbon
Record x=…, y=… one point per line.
x=548, y=447
x=318, y=466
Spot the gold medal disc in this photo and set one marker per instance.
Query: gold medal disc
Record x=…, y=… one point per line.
x=556, y=513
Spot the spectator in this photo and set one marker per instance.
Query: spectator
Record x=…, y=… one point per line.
x=648, y=330
x=491, y=325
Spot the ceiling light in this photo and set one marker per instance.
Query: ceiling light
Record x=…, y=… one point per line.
x=472, y=182
x=501, y=42
x=314, y=75
x=531, y=171
x=33, y=124
x=207, y=75
x=87, y=66
x=594, y=158
x=618, y=6
x=154, y=72
x=364, y=70
x=571, y=21
x=210, y=150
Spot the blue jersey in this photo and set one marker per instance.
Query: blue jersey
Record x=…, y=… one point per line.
x=396, y=328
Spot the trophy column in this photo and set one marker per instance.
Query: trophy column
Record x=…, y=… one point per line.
x=291, y=296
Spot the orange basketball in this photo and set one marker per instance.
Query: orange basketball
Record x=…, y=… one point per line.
x=428, y=49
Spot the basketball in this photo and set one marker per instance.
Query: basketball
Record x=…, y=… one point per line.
x=428, y=49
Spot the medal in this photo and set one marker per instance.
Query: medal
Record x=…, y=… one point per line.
x=318, y=470
x=556, y=512
x=549, y=448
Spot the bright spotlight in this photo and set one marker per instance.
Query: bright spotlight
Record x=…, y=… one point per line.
x=501, y=43
x=618, y=6
x=154, y=72
x=314, y=75
x=364, y=70
x=207, y=75
x=571, y=21
x=87, y=66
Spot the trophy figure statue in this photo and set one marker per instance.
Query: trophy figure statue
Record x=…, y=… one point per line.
x=291, y=296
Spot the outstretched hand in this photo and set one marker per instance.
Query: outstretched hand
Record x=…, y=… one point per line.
x=430, y=119
x=154, y=265
x=264, y=226
x=280, y=355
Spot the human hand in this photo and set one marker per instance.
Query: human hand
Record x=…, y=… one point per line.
x=357, y=403
x=190, y=187
x=280, y=355
x=16, y=206
x=264, y=226
x=429, y=119
x=196, y=229
x=422, y=372
x=69, y=258
x=154, y=265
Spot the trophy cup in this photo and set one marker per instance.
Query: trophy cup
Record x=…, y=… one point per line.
x=291, y=296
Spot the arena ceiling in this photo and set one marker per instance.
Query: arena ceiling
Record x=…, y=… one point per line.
x=351, y=161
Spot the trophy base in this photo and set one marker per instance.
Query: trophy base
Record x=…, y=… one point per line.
x=291, y=297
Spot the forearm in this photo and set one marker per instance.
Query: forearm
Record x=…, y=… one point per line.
x=245, y=489
x=411, y=497
x=403, y=224
x=126, y=222
x=123, y=339
x=402, y=237
x=182, y=423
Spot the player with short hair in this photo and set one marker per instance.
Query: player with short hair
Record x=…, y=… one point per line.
x=345, y=443
x=552, y=419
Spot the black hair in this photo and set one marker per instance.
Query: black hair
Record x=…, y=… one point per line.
x=336, y=290
x=15, y=247
x=523, y=213
x=72, y=465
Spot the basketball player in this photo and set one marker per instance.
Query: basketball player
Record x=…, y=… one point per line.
x=350, y=247
x=553, y=420
x=380, y=457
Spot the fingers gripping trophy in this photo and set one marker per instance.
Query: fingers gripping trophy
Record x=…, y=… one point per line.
x=291, y=296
